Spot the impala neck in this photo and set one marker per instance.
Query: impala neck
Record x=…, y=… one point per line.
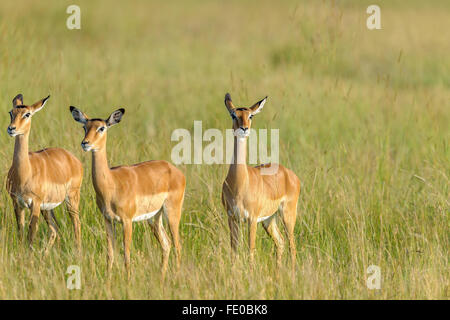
x=238, y=173
x=21, y=159
x=101, y=173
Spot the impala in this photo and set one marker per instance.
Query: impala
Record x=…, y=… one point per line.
x=249, y=195
x=144, y=191
x=41, y=180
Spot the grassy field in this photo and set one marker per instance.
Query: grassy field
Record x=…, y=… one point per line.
x=364, y=122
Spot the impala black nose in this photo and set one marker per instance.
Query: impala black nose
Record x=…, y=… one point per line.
x=11, y=131
x=244, y=129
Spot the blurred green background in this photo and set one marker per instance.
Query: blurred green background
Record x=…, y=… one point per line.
x=364, y=122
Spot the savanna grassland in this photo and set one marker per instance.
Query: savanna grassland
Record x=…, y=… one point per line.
x=364, y=122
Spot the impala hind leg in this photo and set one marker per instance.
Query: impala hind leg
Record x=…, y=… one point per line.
x=172, y=209
x=51, y=222
x=19, y=211
x=289, y=215
x=73, y=202
x=163, y=239
x=270, y=225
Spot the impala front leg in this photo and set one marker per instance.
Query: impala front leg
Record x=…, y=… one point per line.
x=20, y=218
x=35, y=212
x=127, y=232
x=234, y=235
x=252, y=226
x=110, y=240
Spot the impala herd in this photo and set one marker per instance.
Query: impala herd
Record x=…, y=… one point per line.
x=150, y=190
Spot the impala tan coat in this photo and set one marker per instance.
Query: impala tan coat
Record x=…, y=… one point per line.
x=43, y=179
x=133, y=193
x=248, y=194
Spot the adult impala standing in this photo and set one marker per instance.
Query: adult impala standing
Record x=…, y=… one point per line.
x=41, y=180
x=133, y=193
x=250, y=195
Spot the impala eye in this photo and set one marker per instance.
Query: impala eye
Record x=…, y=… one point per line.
x=27, y=115
x=101, y=129
x=250, y=117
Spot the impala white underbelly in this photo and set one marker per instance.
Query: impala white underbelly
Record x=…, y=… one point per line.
x=49, y=206
x=26, y=202
x=146, y=216
x=261, y=219
x=245, y=215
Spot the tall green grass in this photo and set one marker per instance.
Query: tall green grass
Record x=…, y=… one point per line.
x=363, y=117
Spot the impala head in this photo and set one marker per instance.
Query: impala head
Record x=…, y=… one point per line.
x=21, y=115
x=242, y=117
x=95, y=129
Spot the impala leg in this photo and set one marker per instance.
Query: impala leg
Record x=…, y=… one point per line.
x=127, y=233
x=32, y=229
x=48, y=216
x=163, y=239
x=110, y=241
x=270, y=225
x=289, y=215
x=52, y=214
x=234, y=235
x=72, y=206
x=173, y=211
x=20, y=218
x=252, y=226
x=174, y=230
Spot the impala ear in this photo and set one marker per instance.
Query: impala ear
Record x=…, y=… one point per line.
x=115, y=117
x=78, y=115
x=18, y=100
x=257, y=107
x=230, y=106
x=35, y=107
